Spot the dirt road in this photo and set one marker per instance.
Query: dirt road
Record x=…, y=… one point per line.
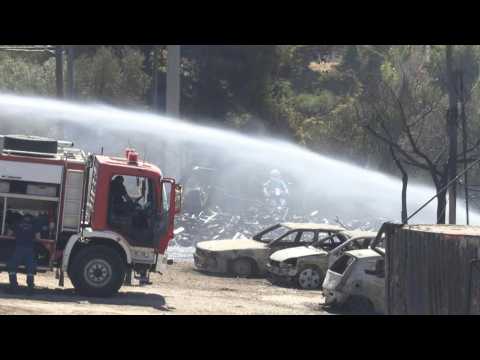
x=182, y=291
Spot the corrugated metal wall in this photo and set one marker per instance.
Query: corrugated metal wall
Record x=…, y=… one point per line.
x=431, y=273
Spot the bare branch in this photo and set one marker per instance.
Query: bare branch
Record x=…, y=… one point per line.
x=411, y=160
x=408, y=131
x=474, y=147
x=439, y=156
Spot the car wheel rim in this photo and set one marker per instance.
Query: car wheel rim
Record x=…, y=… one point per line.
x=309, y=279
x=97, y=272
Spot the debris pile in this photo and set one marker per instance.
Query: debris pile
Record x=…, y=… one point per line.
x=215, y=224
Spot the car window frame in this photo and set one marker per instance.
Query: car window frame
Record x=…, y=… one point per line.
x=279, y=240
x=339, y=235
x=315, y=237
x=261, y=234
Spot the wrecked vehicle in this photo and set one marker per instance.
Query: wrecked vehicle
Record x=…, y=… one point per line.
x=356, y=281
x=247, y=257
x=306, y=266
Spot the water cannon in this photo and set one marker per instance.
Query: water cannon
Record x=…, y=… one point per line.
x=65, y=143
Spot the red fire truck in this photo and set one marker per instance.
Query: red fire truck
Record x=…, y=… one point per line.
x=69, y=193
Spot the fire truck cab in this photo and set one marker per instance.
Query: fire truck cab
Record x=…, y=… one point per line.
x=70, y=195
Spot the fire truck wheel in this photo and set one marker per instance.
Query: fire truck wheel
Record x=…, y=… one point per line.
x=97, y=271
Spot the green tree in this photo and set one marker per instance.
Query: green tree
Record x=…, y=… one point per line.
x=111, y=78
x=19, y=74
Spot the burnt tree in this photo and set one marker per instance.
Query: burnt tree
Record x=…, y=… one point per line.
x=408, y=152
x=404, y=184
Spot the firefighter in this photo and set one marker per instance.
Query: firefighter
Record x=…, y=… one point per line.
x=25, y=233
x=275, y=183
x=121, y=201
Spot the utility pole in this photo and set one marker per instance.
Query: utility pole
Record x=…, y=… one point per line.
x=155, y=78
x=463, y=117
x=70, y=72
x=173, y=103
x=173, y=80
x=59, y=70
x=452, y=132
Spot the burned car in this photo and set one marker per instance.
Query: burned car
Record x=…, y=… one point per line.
x=307, y=265
x=356, y=281
x=247, y=257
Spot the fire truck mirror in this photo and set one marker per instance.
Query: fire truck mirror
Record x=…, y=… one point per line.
x=178, y=198
x=166, y=196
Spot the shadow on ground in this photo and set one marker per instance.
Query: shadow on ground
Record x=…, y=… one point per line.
x=345, y=310
x=128, y=298
x=332, y=310
x=226, y=275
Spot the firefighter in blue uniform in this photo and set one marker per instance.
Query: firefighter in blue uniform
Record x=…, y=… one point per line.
x=25, y=233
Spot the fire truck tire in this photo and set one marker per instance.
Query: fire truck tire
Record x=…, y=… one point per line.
x=97, y=271
x=30, y=143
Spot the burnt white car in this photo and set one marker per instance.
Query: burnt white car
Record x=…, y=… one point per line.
x=357, y=281
x=247, y=257
x=307, y=265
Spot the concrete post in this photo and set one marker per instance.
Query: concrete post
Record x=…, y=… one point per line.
x=70, y=72
x=59, y=70
x=173, y=80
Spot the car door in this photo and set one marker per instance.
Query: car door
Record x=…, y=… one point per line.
x=374, y=284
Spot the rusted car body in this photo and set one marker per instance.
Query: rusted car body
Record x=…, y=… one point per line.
x=306, y=266
x=246, y=257
x=357, y=280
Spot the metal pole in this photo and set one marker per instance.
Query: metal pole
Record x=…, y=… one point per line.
x=173, y=80
x=4, y=218
x=452, y=123
x=59, y=70
x=465, y=139
x=173, y=101
x=70, y=72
